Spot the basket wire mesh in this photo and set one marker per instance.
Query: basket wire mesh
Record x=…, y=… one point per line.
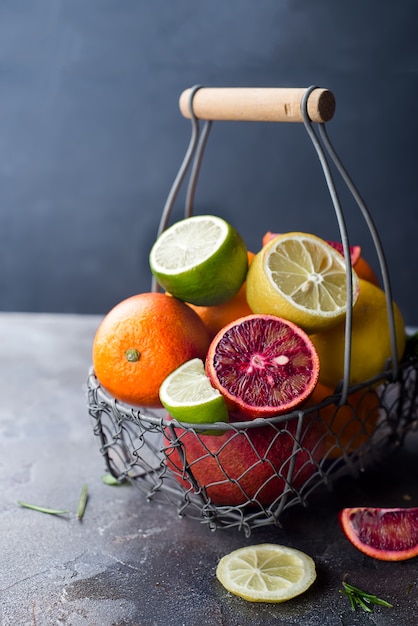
x=287, y=458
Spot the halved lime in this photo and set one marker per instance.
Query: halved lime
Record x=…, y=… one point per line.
x=188, y=395
x=266, y=572
x=201, y=259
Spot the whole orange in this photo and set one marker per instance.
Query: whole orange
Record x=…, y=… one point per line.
x=348, y=426
x=218, y=316
x=141, y=341
x=364, y=270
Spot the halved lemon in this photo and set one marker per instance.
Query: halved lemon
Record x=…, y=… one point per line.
x=188, y=395
x=266, y=572
x=302, y=278
x=201, y=259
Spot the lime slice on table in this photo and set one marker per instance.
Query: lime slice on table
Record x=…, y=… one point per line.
x=188, y=396
x=201, y=259
x=301, y=278
x=266, y=572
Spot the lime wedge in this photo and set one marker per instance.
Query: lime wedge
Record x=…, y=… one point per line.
x=201, y=259
x=266, y=572
x=188, y=395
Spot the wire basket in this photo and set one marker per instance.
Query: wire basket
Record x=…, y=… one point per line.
x=250, y=473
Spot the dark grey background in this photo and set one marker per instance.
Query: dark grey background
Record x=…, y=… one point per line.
x=91, y=136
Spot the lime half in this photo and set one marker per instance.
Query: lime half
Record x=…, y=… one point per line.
x=201, y=259
x=188, y=395
x=266, y=572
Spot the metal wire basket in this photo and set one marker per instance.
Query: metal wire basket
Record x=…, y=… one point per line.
x=251, y=473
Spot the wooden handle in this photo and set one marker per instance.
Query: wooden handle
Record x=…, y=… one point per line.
x=254, y=104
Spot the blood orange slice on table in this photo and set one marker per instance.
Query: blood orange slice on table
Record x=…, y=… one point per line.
x=263, y=365
x=387, y=534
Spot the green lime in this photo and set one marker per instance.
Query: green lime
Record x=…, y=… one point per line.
x=188, y=395
x=201, y=259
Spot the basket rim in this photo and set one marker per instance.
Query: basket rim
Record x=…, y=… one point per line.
x=160, y=417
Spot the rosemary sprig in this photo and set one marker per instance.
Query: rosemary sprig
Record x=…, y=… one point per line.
x=42, y=509
x=82, y=502
x=359, y=598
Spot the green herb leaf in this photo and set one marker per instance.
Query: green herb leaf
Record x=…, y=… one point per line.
x=41, y=509
x=82, y=502
x=109, y=479
x=360, y=598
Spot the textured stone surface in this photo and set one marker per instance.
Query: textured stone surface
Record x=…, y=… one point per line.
x=130, y=562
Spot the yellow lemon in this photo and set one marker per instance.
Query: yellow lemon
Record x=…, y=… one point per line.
x=266, y=572
x=300, y=277
x=370, y=339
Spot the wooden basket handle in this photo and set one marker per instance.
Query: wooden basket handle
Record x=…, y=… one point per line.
x=258, y=104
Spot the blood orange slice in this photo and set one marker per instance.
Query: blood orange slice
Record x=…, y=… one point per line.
x=263, y=365
x=384, y=534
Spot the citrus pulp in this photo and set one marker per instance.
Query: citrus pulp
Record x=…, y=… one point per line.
x=301, y=278
x=389, y=534
x=201, y=259
x=188, y=395
x=263, y=365
x=266, y=572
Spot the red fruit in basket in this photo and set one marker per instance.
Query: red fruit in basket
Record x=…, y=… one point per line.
x=384, y=534
x=263, y=365
x=245, y=466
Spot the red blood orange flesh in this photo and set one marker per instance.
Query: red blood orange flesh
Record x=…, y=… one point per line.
x=384, y=534
x=263, y=365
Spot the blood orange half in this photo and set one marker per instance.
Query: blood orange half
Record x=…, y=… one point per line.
x=384, y=534
x=263, y=365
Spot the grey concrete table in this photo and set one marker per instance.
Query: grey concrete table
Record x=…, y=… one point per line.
x=130, y=562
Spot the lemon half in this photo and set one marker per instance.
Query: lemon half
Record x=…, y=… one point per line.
x=302, y=278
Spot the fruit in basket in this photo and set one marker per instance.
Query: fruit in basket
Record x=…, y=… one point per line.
x=217, y=316
x=188, y=395
x=349, y=426
x=362, y=267
x=246, y=466
x=370, y=346
x=387, y=534
x=266, y=572
x=355, y=251
x=141, y=341
x=300, y=277
x=201, y=259
x=263, y=365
